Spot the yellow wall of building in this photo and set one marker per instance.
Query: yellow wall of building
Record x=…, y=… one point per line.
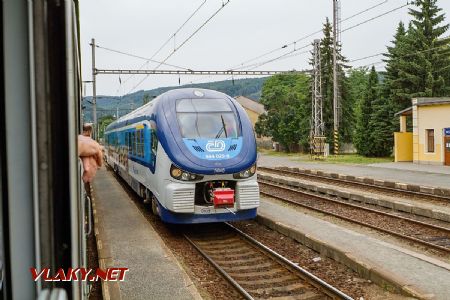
x=431, y=117
x=403, y=150
x=253, y=116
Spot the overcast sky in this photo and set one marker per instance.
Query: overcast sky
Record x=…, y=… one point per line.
x=242, y=30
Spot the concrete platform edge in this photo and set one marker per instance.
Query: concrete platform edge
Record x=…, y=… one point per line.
x=189, y=284
x=377, y=275
x=399, y=185
x=110, y=289
x=394, y=205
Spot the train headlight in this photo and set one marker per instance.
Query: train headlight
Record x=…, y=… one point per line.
x=179, y=174
x=246, y=173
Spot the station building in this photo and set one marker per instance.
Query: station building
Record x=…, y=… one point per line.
x=429, y=140
x=252, y=108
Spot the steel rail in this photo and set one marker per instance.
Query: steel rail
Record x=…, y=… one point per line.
x=233, y=282
x=329, y=199
x=310, y=278
x=323, y=286
x=385, y=188
x=352, y=220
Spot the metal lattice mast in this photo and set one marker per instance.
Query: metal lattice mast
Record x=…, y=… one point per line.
x=336, y=93
x=318, y=127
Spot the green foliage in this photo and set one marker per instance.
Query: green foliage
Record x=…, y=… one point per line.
x=357, y=85
x=347, y=103
x=362, y=140
x=374, y=117
x=287, y=101
x=380, y=132
x=103, y=122
x=418, y=62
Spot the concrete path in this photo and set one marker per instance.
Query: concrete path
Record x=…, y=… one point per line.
x=128, y=240
x=426, y=175
x=383, y=263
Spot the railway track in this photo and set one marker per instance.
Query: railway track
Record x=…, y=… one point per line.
x=256, y=271
x=419, y=232
x=366, y=187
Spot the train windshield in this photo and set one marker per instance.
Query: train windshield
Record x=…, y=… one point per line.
x=206, y=119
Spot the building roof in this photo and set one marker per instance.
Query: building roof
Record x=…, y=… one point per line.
x=423, y=102
x=250, y=104
x=431, y=101
x=404, y=112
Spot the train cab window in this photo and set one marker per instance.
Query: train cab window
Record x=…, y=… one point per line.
x=206, y=118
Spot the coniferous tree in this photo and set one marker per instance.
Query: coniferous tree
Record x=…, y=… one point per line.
x=362, y=137
x=379, y=133
x=430, y=62
x=418, y=63
x=394, y=85
x=326, y=60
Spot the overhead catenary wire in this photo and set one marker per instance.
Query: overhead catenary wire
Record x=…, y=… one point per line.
x=140, y=57
x=376, y=17
x=401, y=56
x=172, y=36
x=224, y=4
x=306, y=36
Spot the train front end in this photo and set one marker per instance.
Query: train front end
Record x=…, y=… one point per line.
x=210, y=147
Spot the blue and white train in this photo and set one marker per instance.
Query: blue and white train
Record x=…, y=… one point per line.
x=192, y=153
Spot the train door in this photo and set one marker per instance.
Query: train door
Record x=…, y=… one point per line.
x=447, y=150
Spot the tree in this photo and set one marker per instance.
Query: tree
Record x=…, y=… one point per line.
x=418, y=63
x=286, y=99
x=379, y=133
x=395, y=87
x=362, y=139
x=430, y=63
x=357, y=83
x=326, y=65
x=103, y=122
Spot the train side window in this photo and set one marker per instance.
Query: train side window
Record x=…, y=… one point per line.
x=132, y=143
x=142, y=143
x=139, y=133
x=154, y=146
x=129, y=142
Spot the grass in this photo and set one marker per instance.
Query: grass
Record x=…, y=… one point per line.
x=340, y=159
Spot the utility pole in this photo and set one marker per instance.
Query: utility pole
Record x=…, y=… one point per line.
x=94, y=92
x=317, y=125
x=336, y=98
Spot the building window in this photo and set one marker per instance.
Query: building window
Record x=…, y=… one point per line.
x=430, y=140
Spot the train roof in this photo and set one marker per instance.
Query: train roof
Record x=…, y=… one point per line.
x=175, y=94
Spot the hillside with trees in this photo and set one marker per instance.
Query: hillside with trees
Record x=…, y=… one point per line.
x=108, y=105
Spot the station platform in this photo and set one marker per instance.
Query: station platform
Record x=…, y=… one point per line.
x=390, y=266
x=418, y=207
x=423, y=175
x=126, y=239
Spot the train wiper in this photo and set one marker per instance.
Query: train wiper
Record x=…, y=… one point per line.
x=223, y=129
